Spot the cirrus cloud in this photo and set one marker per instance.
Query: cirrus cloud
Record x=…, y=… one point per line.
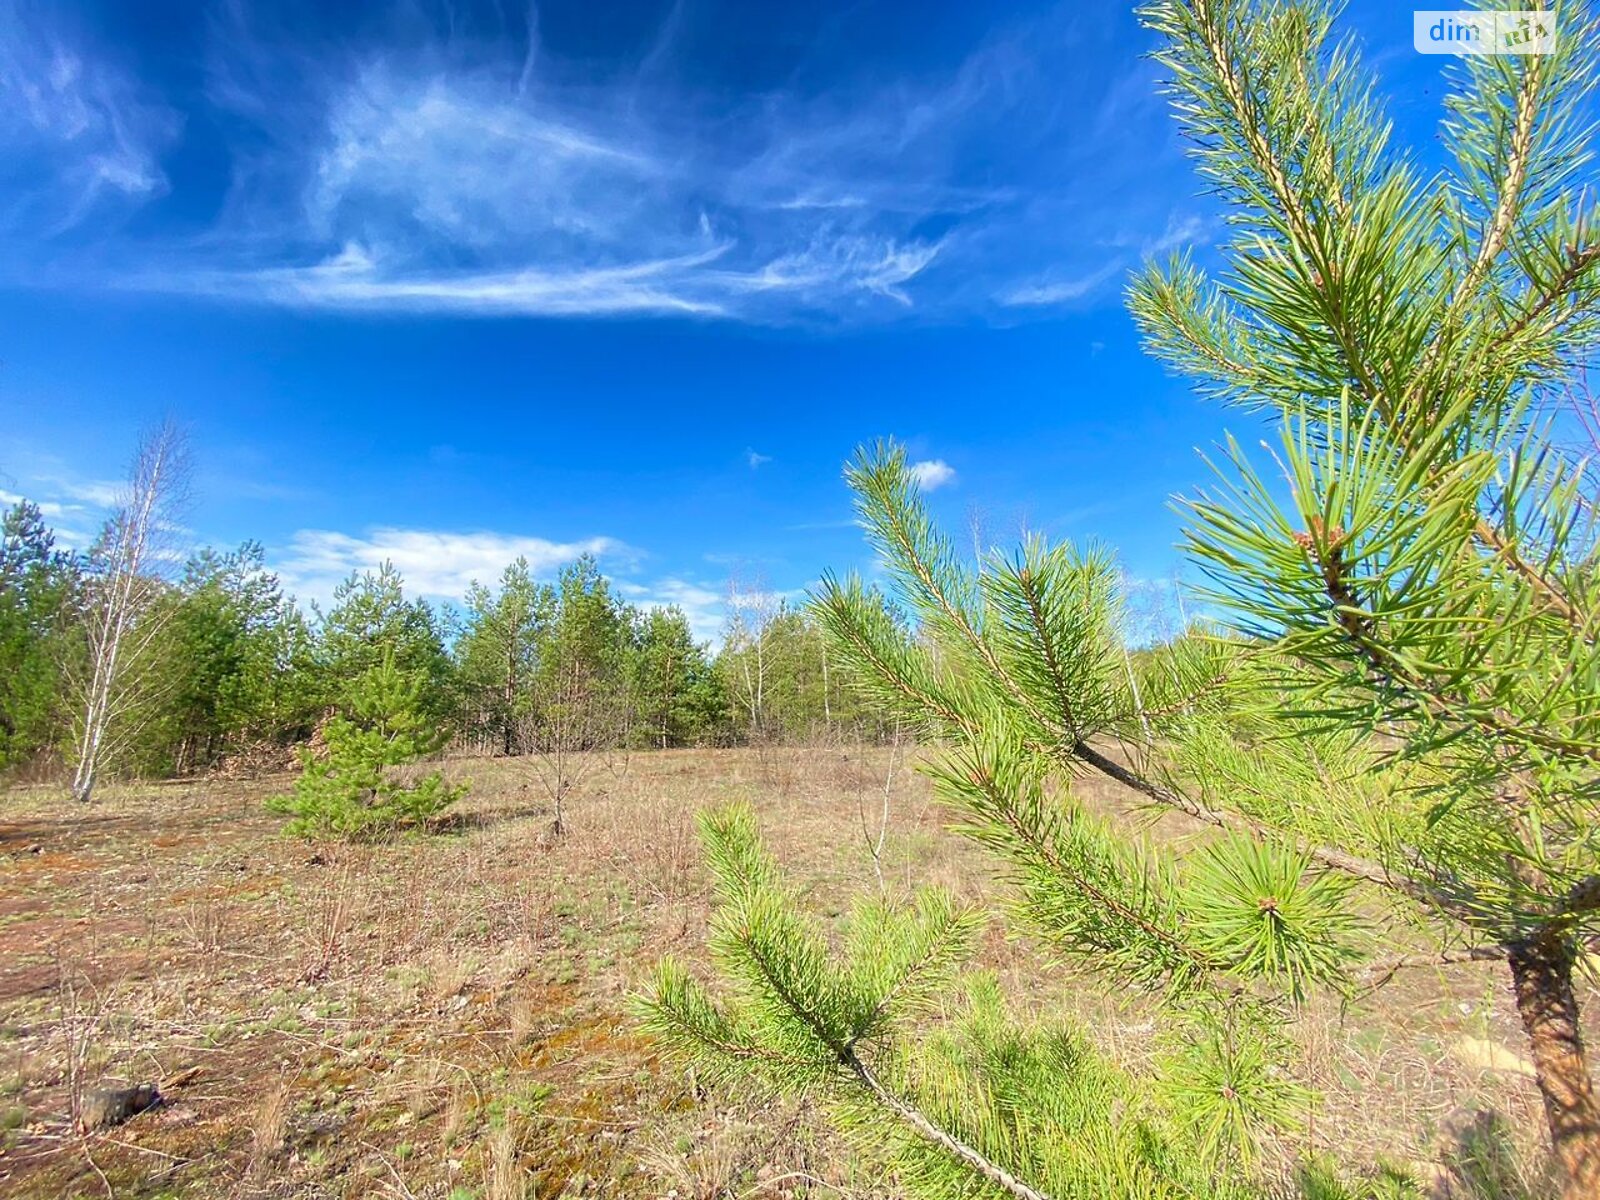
x=79, y=134
x=488, y=175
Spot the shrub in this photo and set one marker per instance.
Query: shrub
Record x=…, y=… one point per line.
x=353, y=790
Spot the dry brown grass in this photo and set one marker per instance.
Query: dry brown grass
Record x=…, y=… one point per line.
x=507, y=1180
x=269, y=1127
x=450, y=1012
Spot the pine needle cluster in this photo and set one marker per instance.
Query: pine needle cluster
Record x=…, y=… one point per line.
x=886, y=1024
x=1423, y=552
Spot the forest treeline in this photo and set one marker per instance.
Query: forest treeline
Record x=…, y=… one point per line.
x=238, y=668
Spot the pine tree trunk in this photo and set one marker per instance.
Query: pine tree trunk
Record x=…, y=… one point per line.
x=1541, y=977
x=510, y=698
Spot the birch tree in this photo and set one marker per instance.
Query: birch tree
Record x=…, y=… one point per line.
x=751, y=612
x=123, y=584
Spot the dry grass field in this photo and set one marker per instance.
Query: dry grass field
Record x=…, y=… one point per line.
x=447, y=1016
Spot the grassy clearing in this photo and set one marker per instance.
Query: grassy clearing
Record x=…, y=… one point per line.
x=445, y=1017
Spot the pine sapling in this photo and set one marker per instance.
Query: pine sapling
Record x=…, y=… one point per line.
x=358, y=788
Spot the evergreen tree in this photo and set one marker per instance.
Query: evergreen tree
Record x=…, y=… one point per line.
x=582, y=677
x=37, y=583
x=371, y=618
x=592, y=632
x=928, y=1070
x=296, y=685
x=1020, y=670
x=224, y=652
x=498, y=653
x=1429, y=574
x=354, y=790
x=582, y=704
x=676, y=693
x=1427, y=584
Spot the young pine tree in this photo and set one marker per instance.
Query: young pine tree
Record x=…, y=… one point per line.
x=1426, y=565
x=222, y=652
x=676, y=694
x=1019, y=670
x=581, y=707
x=357, y=788
x=498, y=654
x=371, y=618
x=1429, y=585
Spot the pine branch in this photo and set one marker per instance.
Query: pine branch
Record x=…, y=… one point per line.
x=1330, y=856
x=958, y=1149
x=1031, y=835
x=843, y=1050
x=836, y=610
x=945, y=944
x=1212, y=26
x=1516, y=174
x=1580, y=259
x=880, y=506
x=1027, y=582
x=1355, y=623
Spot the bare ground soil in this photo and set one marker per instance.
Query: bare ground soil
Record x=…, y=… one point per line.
x=446, y=1016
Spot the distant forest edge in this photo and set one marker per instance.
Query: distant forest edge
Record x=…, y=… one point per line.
x=231, y=672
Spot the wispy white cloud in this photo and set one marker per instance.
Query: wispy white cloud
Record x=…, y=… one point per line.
x=434, y=563
x=76, y=508
x=1182, y=229
x=491, y=177
x=756, y=459
x=47, y=508
x=350, y=282
x=421, y=182
x=1053, y=290
x=77, y=133
x=100, y=493
x=932, y=474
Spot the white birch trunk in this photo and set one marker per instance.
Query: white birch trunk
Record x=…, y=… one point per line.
x=122, y=590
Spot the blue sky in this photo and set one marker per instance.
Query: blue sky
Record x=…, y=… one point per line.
x=446, y=284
